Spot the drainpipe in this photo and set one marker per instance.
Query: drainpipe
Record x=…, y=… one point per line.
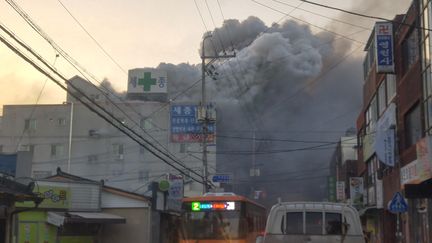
x=70, y=137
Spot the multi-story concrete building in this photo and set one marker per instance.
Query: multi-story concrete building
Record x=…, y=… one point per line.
x=343, y=166
x=72, y=137
x=394, y=132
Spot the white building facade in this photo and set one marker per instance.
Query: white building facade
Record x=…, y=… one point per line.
x=72, y=137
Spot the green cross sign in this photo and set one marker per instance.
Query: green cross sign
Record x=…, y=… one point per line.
x=147, y=81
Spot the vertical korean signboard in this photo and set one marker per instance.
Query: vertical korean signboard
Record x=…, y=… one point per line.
x=340, y=191
x=185, y=127
x=175, y=193
x=384, y=145
x=384, y=47
x=356, y=191
x=331, y=181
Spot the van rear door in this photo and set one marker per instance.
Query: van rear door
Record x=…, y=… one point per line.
x=311, y=227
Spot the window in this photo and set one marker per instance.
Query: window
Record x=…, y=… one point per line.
x=143, y=176
x=372, y=169
x=118, y=150
x=30, y=124
x=333, y=223
x=427, y=83
x=146, y=123
x=369, y=59
x=57, y=150
x=382, y=101
x=426, y=53
x=27, y=147
x=410, y=50
x=217, y=225
x=391, y=87
x=294, y=223
x=428, y=114
x=412, y=126
x=61, y=122
x=314, y=223
x=183, y=148
x=371, y=115
x=92, y=159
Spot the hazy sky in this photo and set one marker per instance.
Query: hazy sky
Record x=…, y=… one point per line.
x=140, y=33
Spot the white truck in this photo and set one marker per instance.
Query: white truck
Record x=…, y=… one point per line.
x=312, y=222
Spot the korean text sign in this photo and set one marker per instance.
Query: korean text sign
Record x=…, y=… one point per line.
x=384, y=47
x=184, y=125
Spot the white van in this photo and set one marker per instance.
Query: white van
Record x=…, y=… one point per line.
x=313, y=222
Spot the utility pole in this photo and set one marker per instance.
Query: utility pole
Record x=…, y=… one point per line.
x=70, y=136
x=205, y=119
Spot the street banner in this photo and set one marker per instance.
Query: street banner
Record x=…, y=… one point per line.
x=384, y=47
x=384, y=145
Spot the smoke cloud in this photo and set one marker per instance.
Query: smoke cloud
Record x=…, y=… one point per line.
x=285, y=82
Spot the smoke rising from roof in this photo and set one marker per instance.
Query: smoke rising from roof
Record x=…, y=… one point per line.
x=280, y=85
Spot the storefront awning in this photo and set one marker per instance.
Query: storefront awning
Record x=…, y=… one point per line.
x=94, y=218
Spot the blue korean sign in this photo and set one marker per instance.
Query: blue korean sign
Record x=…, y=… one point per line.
x=185, y=127
x=223, y=178
x=384, y=47
x=398, y=204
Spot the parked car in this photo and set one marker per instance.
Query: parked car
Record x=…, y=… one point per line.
x=312, y=222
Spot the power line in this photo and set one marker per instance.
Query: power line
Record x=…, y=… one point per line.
x=308, y=23
x=322, y=15
x=214, y=24
x=281, y=180
x=34, y=107
x=76, y=64
x=80, y=69
x=120, y=126
x=266, y=152
x=287, y=150
x=202, y=18
x=364, y=15
x=95, y=41
x=275, y=139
